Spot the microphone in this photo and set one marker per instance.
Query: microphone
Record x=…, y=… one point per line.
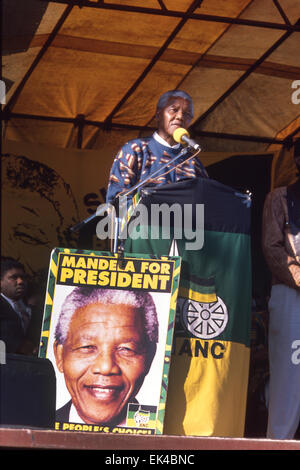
x=182, y=136
x=99, y=212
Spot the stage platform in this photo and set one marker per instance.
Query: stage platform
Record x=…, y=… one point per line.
x=34, y=438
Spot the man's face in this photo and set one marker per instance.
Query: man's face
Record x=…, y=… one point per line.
x=104, y=360
x=13, y=283
x=177, y=113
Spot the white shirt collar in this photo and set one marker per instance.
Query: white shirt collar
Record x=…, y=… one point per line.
x=16, y=304
x=74, y=416
x=11, y=302
x=162, y=141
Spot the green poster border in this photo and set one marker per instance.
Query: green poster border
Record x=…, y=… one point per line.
x=50, y=293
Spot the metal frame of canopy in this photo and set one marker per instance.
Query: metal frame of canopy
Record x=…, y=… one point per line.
x=80, y=121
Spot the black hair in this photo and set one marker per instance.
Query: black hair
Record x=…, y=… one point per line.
x=8, y=263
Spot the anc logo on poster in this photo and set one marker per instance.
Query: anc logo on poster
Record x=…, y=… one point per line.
x=141, y=416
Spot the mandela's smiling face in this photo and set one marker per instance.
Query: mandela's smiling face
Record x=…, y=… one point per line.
x=104, y=360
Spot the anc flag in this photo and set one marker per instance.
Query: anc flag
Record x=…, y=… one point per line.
x=143, y=417
x=208, y=377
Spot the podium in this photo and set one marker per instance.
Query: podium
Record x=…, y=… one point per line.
x=188, y=241
x=208, y=377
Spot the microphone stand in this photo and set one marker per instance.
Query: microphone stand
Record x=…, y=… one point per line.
x=102, y=209
x=108, y=207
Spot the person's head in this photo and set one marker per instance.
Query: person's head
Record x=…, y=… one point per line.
x=174, y=109
x=13, y=278
x=105, y=342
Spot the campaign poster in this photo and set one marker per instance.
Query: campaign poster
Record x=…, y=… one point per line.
x=108, y=329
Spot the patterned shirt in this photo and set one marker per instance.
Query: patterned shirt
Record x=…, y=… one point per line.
x=140, y=158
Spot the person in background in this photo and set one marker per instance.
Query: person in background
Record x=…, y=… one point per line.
x=280, y=241
x=16, y=316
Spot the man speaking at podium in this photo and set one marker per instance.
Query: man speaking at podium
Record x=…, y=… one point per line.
x=138, y=159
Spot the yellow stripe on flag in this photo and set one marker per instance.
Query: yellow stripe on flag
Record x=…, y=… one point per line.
x=197, y=296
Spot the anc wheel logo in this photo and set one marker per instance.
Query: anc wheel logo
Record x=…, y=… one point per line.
x=204, y=320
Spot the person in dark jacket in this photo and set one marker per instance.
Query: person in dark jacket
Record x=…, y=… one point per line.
x=16, y=316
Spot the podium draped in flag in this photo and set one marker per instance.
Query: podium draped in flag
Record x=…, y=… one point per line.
x=208, y=379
